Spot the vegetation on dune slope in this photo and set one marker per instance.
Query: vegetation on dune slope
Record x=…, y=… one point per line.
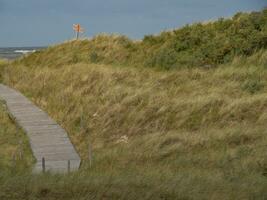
x=205, y=45
x=14, y=146
x=188, y=134
x=3, y=63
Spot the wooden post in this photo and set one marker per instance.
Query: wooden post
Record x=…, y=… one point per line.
x=82, y=122
x=20, y=150
x=68, y=166
x=90, y=155
x=14, y=161
x=43, y=164
x=17, y=130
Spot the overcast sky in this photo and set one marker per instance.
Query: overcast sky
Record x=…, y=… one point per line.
x=44, y=22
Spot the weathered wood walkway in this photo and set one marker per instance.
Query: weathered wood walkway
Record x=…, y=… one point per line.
x=47, y=139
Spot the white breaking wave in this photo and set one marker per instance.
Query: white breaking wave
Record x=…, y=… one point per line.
x=24, y=51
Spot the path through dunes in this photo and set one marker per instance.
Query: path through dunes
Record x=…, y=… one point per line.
x=48, y=140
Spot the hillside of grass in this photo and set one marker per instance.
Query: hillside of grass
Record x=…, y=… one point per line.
x=189, y=133
x=197, y=132
x=204, y=45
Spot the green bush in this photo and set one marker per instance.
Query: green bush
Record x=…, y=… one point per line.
x=208, y=44
x=93, y=57
x=164, y=59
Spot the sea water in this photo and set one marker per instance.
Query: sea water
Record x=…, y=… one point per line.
x=11, y=53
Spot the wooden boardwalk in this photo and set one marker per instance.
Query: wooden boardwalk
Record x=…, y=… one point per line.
x=47, y=139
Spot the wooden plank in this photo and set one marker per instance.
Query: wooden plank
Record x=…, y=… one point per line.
x=47, y=139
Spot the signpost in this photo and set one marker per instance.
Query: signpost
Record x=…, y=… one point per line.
x=78, y=29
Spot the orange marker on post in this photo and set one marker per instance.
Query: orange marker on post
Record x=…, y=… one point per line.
x=78, y=29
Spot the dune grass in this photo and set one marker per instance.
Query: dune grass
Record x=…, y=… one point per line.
x=3, y=63
x=15, y=151
x=187, y=134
